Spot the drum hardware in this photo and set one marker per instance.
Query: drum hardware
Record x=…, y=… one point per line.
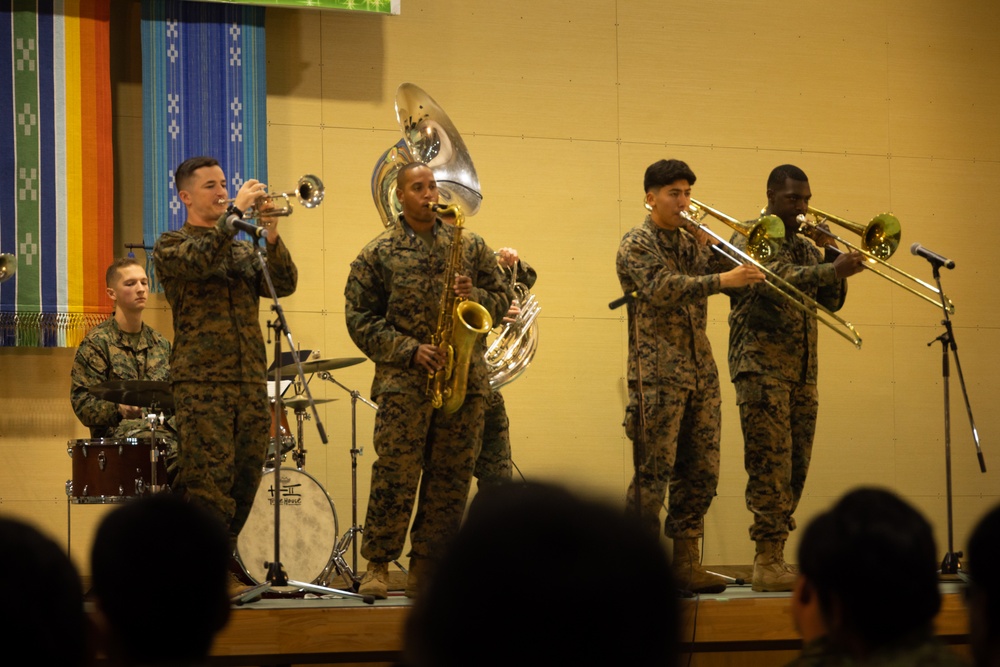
x=348, y=537
x=315, y=366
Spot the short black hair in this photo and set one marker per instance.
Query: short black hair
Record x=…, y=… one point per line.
x=665, y=172
x=159, y=533
x=406, y=169
x=51, y=621
x=540, y=532
x=782, y=173
x=112, y=273
x=189, y=166
x=873, y=540
x=981, y=563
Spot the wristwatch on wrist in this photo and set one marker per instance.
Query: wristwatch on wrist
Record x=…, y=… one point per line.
x=232, y=210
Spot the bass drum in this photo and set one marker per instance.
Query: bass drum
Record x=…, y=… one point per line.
x=309, y=530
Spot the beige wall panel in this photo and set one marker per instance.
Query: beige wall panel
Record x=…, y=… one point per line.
x=294, y=69
x=566, y=411
x=943, y=79
x=946, y=206
x=711, y=74
x=490, y=70
x=555, y=202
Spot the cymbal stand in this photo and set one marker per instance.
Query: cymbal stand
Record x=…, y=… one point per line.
x=952, y=562
x=355, y=529
x=154, y=452
x=275, y=572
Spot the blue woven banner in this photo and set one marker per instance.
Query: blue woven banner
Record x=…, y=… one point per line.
x=204, y=93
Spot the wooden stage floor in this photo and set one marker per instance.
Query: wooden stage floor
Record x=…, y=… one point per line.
x=736, y=627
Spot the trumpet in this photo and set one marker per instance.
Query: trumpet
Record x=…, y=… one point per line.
x=794, y=295
x=309, y=191
x=879, y=240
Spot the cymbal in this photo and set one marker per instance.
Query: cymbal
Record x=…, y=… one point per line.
x=290, y=372
x=141, y=393
x=302, y=402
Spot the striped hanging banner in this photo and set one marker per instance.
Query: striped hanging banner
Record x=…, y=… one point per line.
x=56, y=177
x=204, y=93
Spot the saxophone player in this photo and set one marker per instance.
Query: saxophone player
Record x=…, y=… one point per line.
x=494, y=464
x=392, y=298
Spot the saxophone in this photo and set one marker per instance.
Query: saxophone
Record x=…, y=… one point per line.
x=460, y=323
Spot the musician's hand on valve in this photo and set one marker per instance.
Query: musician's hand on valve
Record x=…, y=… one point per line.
x=268, y=222
x=507, y=257
x=463, y=286
x=513, y=311
x=849, y=263
x=741, y=276
x=249, y=193
x=429, y=357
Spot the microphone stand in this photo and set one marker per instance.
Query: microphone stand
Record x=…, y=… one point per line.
x=276, y=575
x=951, y=563
x=348, y=538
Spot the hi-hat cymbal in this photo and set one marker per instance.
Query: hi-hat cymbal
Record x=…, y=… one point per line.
x=141, y=393
x=302, y=402
x=290, y=372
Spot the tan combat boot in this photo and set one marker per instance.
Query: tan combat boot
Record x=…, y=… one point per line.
x=688, y=572
x=418, y=576
x=770, y=572
x=376, y=581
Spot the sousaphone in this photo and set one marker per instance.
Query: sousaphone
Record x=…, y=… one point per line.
x=429, y=137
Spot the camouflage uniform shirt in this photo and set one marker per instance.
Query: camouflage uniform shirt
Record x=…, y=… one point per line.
x=769, y=336
x=106, y=353
x=214, y=283
x=674, y=275
x=393, y=295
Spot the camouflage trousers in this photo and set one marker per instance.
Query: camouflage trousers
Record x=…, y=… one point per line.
x=418, y=445
x=494, y=466
x=223, y=430
x=680, y=454
x=779, y=421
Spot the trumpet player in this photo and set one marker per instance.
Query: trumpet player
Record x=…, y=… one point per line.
x=772, y=362
x=392, y=300
x=494, y=464
x=673, y=271
x=213, y=283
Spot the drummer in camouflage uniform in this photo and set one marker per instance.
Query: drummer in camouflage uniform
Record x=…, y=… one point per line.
x=772, y=362
x=673, y=271
x=393, y=294
x=122, y=347
x=218, y=367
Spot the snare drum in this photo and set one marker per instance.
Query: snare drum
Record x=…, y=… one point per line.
x=113, y=470
x=308, y=529
x=279, y=433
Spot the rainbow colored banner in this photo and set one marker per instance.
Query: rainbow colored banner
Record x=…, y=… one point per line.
x=56, y=180
x=204, y=79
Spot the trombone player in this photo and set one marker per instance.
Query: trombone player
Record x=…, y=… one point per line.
x=672, y=270
x=773, y=364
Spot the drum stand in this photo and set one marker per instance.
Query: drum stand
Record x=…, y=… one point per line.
x=275, y=572
x=348, y=537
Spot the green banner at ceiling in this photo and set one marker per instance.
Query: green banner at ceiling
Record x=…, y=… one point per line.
x=377, y=6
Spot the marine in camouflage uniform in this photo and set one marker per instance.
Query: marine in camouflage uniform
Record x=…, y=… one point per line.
x=213, y=283
x=108, y=353
x=494, y=465
x=392, y=294
x=673, y=272
x=773, y=364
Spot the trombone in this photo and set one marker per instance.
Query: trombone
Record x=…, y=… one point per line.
x=758, y=229
x=879, y=240
x=309, y=191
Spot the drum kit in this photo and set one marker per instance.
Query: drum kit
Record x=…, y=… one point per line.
x=117, y=470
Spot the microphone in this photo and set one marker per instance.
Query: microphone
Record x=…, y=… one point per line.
x=622, y=300
x=235, y=222
x=932, y=256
